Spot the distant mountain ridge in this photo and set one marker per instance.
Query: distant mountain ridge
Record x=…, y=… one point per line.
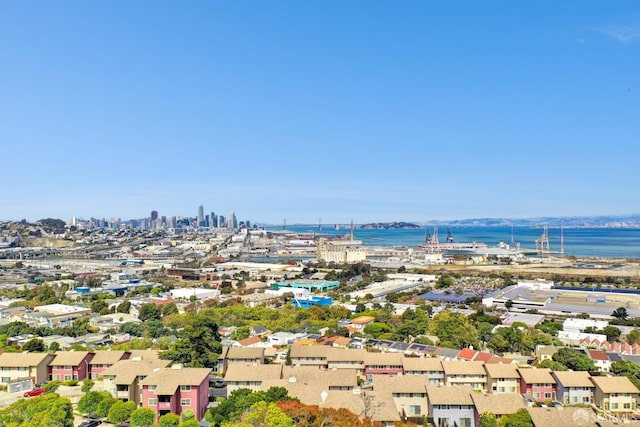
x=389, y=225
x=602, y=221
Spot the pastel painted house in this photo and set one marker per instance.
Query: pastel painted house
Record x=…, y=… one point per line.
x=502, y=378
x=383, y=363
x=21, y=371
x=176, y=389
x=429, y=367
x=615, y=394
x=574, y=387
x=451, y=406
x=70, y=365
x=457, y=372
x=103, y=360
x=538, y=383
x=123, y=379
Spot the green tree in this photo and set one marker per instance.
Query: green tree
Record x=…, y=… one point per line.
x=52, y=386
x=198, y=345
x=574, y=360
x=620, y=313
x=445, y=281
x=241, y=333
x=88, y=404
x=633, y=337
x=124, y=307
x=154, y=328
x=190, y=423
x=454, y=328
x=132, y=328
x=612, y=333
x=187, y=414
x=169, y=309
x=521, y=418
x=143, y=417
x=121, y=411
x=98, y=306
x=103, y=407
x=488, y=419
x=54, y=346
x=35, y=345
x=87, y=385
x=375, y=329
x=263, y=414
x=169, y=420
x=148, y=311
x=47, y=410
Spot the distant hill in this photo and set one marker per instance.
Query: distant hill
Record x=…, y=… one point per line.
x=609, y=221
x=389, y=225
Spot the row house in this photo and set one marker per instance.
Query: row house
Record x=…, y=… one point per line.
x=70, y=365
x=497, y=404
x=430, y=367
x=502, y=378
x=383, y=363
x=21, y=371
x=615, y=394
x=105, y=359
x=347, y=359
x=176, y=389
x=537, y=383
x=242, y=355
x=123, y=379
x=573, y=387
x=310, y=355
x=451, y=406
x=409, y=395
x=472, y=374
x=248, y=376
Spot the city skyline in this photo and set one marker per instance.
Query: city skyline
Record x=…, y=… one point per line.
x=371, y=112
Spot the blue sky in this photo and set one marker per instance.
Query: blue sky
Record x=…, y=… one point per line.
x=375, y=111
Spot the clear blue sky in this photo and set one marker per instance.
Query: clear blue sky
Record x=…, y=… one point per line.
x=299, y=110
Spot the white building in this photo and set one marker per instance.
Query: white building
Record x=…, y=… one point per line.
x=199, y=293
x=341, y=251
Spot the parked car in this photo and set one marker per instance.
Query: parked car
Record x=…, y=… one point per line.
x=90, y=423
x=218, y=382
x=34, y=392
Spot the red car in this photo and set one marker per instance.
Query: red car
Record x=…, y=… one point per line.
x=34, y=392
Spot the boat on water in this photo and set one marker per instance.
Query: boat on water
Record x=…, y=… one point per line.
x=450, y=247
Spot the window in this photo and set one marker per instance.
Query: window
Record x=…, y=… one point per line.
x=185, y=402
x=6, y=379
x=67, y=366
x=185, y=388
x=151, y=388
x=414, y=409
x=56, y=377
x=512, y=389
x=465, y=422
x=547, y=395
x=626, y=405
x=153, y=401
x=614, y=406
x=536, y=395
x=67, y=377
x=22, y=368
x=6, y=368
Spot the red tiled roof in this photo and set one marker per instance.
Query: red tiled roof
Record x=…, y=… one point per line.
x=467, y=354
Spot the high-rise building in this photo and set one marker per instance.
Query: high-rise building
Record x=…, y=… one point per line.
x=233, y=222
x=201, y=216
x=154, y=215
x=212, y=220
x=221, y=221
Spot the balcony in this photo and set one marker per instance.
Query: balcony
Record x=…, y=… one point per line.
x=164, y=405
x=122, y=394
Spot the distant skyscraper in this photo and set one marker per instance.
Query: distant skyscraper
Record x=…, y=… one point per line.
x=233, y=222
x=200, y=216
x=154, y=215
x=221, y=221
x=212, y=220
